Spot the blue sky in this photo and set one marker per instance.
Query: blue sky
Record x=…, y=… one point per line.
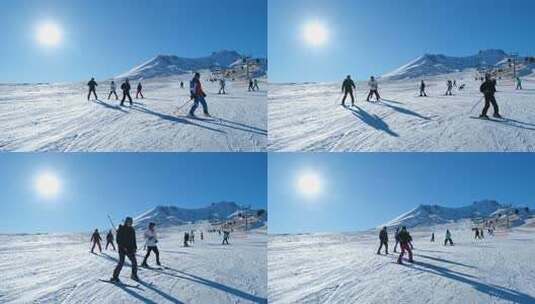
x=121, y=184
x=107, y=37
x=372, y=37
x=364, y=190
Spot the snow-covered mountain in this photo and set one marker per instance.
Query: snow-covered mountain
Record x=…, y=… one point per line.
x=437, y=64
x=427, y=215
x=166, y=216
x=169, y=65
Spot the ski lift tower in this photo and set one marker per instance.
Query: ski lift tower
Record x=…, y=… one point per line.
x=513, y=60
x=246, y=61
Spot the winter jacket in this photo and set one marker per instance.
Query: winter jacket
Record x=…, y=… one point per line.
x=109, y=237
x=113, y=87
x=92, y=84
x=195, y=88
x=488, y=87
x=139, y=87
x=448, y=235
x=373, y=84
x=126, y=238
x=348, y=85
x=404, y=236
x=95, y=237
x=383, y=235
x=125, y=87
x=151, y=239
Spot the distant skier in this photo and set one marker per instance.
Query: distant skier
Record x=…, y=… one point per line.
x=226, y=235
x=125, y=87
x=182, y=84
x=448, y=238
x=255, y=85
x=383, y=238
x=95, y=240
x=198, y=96
x=449, y=88
x=476, y=236
x=186, y=239
x=139, y=91
x=347, y=88
x=222, y=86
x=432, y=237
x=374, y=89
x=404, y=238
x=251, y=85
x=396, y=236
x=109, y=240
x=113, y=90
x=422, y=89
x=151, y=241
x=518, y=83
x=192, y=236
x=92, y=84
x=454, y=83
x=202, y=236
x=488, y=88
x=481, y=234
x=126, y=243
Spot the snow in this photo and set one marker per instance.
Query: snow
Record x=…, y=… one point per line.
x=308, y=117
x=58, y=117
x=344, y=268
x=57, y=268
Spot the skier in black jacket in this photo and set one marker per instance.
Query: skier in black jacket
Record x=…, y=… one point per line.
x=139, y=91
x=404, y=240
x=92, y=84
x=383, y=238
x=109, y=240
x=95, y=240
x=126, y=241
x=488, y=88
x=422, y=89
x=125, y=87
x=347, y=87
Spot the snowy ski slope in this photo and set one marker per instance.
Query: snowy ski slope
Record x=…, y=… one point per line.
x=58, y=117
x=308, y=117
x=344, y=268
x=58, y=268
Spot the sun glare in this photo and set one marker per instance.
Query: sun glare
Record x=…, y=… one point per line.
x=315, y=33
x=309, y=184
x=49, y=34
x=47, y=185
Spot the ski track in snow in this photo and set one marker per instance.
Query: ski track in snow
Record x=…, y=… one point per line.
x=58, y=117
x=58, y=268
x=308, y=117
x=344, y=268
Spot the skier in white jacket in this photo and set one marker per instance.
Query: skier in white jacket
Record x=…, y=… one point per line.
x=113, y=90
x=151, y=241
x=374, y=89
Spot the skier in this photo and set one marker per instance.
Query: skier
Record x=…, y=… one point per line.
x=92, y=84
x=251, y=85
x=222, y=86
x=109, y=240
x=182, y=84
x=396, y=236
x=488, y=88
x=449, y=85
x=481, y=234
x=138, y=91
x=198, y=95
x=192, y=236
x=404, y=238
x=476, y=236
x=151, y=241
x=226, y=235
x=95, y=240
x=255, y=85
x=347, y=88
x=448, y=238
x=126, y=241
x=202, y=236
x=113, y=90
x=432, y=237
x=518, y=83
x=383, y=238
x=422, y=89
x=374, y=89
x=186, y=239
x=125, y=87
x=454, y=83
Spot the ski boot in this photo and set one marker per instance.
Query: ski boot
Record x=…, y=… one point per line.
x=497, y=115
x=115, y=280
x=483, y=116
x=135, y=278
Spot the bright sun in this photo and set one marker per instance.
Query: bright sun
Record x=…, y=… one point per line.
x=309, y=184
x=48, y=185
x=49, y=34
x=315, y=33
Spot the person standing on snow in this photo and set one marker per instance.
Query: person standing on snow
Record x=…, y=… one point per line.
x=374, y=89
x=449, y=87
x=92, y=84
x=126, y=243
x=476, y=236
x=488, y=88
x=251, y=85
x=109, y=240
x=182, y=84
x=422, y=89
x=255, y=85
x=198, y=96
x=396, y=237
x=222, y=86
x=432, y=237
x=404, y=239
x=448, y=238
x=202, y=236
x=113, y=90
x=95, y=240
x=347, y=88
x=125, y=87
x=151, y=241
x=518, y=83
x=226, y=235
x=383, y=238
x=138, y=91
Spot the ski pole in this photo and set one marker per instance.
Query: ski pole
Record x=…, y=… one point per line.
x=183, y=105
x=475, y=105
x=111, y=222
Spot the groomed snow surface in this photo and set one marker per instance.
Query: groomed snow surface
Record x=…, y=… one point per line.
x=60, y=269
x=344, y=268
x=308, y=117
x=58, y=117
